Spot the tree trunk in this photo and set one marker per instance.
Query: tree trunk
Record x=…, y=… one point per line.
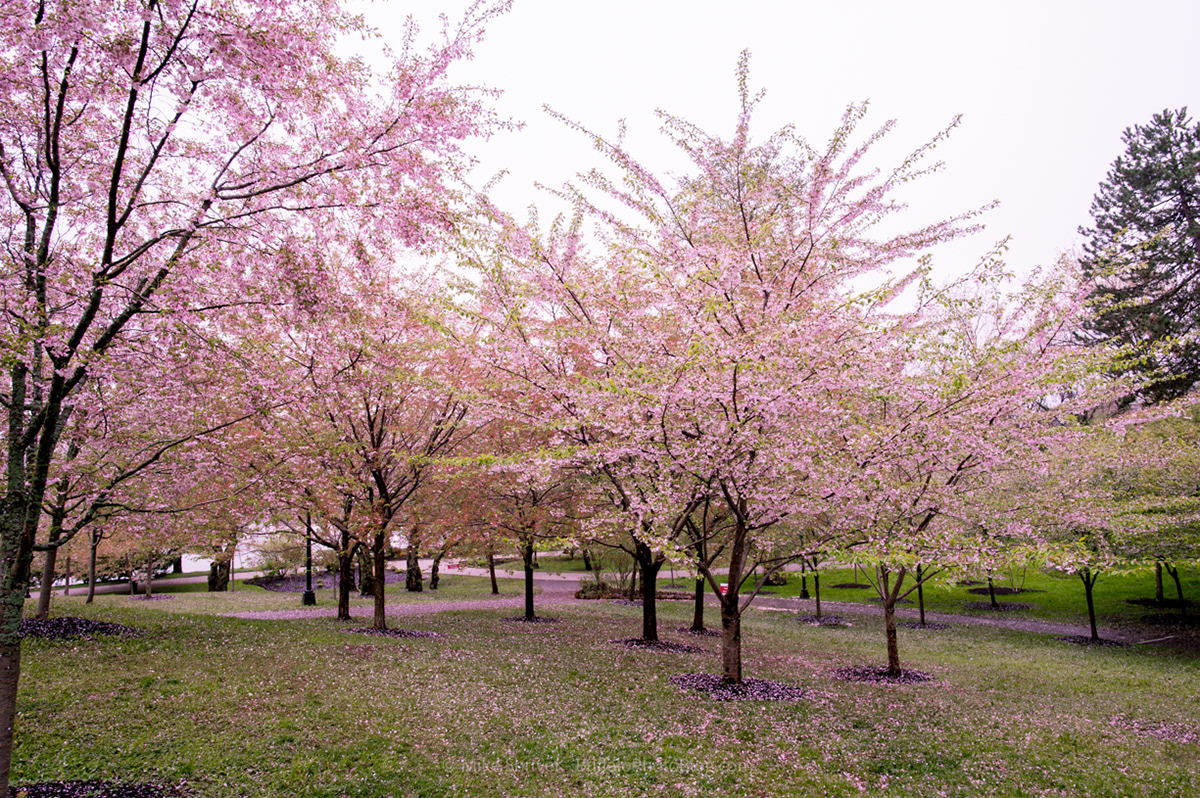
x=527, y=561
x=177, y=565
x=587, y=559
x=1089, y=580
x=433, y=570
x=412, y=573
x=649, y=564
x=218, y=576
x=698, y=609
x=91, y=594
x=378, y=582
x=150, y=579
x=731, y=610
x=1174, y=572
x=817, y=591
x=1158, y=583
x=67, y=583
x=650, y=600
x=992, y=594
x=47, y=585
x=491, y=561
x=366, y=572
x=345, y=577
x=890, y=594
x=10, y=671
x=921, y=597
x=893, y=644
x=731, y=641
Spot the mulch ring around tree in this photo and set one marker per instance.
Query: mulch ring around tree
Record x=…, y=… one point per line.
x=878, y=600
x=68, y=627
x=1001, y=606
x=881, y=675
x=665, y=646
x=850, y=586
x=1169, y=604
x=371, y=630
x=1171, y=619
x=747, y=690
x=95, y=789
x=687, y=630
x=824, y=620
x=933, y=625
x=1084, y=640
x=1003, y=591
x=534, y=619
x=968, y=582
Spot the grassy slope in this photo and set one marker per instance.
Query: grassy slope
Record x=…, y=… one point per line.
x=302, y=709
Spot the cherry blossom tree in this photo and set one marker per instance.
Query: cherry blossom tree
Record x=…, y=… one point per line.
x=966, y=411
x=155, y=156
x=715, y=349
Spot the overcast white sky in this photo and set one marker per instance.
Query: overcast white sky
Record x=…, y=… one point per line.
x=1045, y=89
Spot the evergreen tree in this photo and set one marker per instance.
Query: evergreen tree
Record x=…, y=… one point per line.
x=1143, y=252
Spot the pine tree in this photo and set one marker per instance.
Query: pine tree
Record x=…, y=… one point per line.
x=1143, y=252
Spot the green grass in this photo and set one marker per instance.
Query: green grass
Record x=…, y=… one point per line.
x=548, y=563
x=302, y=709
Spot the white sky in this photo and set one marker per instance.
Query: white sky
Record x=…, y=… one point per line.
x=1045, y=90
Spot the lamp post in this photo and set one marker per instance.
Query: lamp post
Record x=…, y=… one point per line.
x=310, y=598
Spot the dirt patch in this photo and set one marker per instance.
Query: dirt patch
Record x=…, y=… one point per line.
x=1003, y=606
x=95, y=789
x=1171, y=619
x=1085, y=640
x=824, y=620
x=1003, y=591
x=665, y=646
x=1166, y=604
x=687, y=630
x=932, y=625
x=68, y=627
x=534, y=619
x=155, y=597
x=405, y=633
x=880, y=674
x=746, y=690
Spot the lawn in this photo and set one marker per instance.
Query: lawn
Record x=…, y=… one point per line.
x=302, y=708
x=1052, y=597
